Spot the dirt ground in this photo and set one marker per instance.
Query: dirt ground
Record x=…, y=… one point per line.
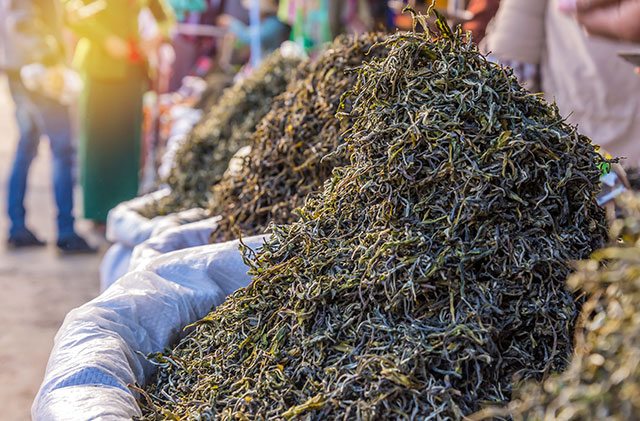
x=37, y=287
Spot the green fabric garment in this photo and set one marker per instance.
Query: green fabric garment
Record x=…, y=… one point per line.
x=111, y=106
x=310, y=21
x=110, y=137
x=182, y=7
x=116, y=18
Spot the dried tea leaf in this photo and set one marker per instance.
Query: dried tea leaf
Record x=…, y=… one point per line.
x=295, y=146
x=227, y=127
x=424, y=279
x=603, y=379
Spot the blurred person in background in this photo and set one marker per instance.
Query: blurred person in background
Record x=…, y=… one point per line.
x=189, y=48
x=618, y=19
x=272, y=31
x=32, y=35
x=483, y=12
x=113, y=61
x=382, y=15
x=311, y=21
x=592, y=86
x=359, y=16
x=350, y=16
x=608, y=18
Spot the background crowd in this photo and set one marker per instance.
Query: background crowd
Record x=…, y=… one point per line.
x=78, y=70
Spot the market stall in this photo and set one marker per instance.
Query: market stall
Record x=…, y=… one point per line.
x=364, y=226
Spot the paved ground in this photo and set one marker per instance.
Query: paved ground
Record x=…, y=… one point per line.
x=37, y=288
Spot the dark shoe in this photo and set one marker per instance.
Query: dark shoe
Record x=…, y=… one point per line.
x=74, y=244
x=24, y=238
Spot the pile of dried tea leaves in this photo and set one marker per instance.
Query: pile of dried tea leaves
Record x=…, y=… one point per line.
x=217, y=82
x=428, y=274
x=603, y=379
x=295, y=146
x=227, y=127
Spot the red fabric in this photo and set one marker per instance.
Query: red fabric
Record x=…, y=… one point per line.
x=484, y=11
x=134, y=52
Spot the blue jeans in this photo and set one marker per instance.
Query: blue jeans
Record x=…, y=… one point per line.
x=36, y=116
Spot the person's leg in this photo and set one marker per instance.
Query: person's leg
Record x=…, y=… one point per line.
x=26, y=150
x=57, y=126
